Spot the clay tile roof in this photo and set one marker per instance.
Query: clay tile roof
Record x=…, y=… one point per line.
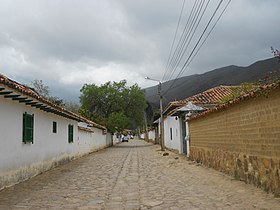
x=212, y=96
x=27, y=91
x=207, y=99
x=256, y=92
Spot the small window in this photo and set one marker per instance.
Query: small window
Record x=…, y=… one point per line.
x=70, y=133
x=171, y=133
x=54, y=128
x=27, y=128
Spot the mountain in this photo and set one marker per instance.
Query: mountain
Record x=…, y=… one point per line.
x=229, y=75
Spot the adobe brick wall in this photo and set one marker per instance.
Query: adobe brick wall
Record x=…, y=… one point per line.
x=242, y=140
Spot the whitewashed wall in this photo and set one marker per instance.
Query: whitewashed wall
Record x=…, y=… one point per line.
x=152, y=135
x=116, y=139
x=21, y=161
x=176, y=142
x=142, y=136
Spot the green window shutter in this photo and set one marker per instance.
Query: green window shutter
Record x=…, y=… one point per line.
x=70, y=133
x=28, y=128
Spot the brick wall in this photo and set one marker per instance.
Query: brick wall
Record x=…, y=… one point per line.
x=242, y=140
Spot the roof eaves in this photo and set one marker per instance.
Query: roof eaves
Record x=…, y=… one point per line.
x=35, y=100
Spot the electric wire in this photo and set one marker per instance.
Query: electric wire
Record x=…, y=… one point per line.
x=192, y=52
x=184, y=35
x=166, y=69
x=190, y=59
x=210, y=31
x=186, y=47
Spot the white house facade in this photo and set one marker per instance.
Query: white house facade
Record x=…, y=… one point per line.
x=152, y=135
x=176, y=129
x=37, y=135
x=172, y=133
x=184, y=113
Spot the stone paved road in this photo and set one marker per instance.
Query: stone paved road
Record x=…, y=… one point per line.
x=134, y=175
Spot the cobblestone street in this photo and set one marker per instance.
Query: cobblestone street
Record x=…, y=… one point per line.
x=134, y=175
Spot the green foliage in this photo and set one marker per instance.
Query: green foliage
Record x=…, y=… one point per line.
x=239, y=91
x=100, y=102
x=117, y=121
x=156, y=115
x=56, y=100
x=72, y=106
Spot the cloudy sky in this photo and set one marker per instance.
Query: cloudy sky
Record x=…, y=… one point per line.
x=67, y=43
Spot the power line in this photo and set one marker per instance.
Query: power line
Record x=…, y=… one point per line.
x=174, y=39
x=184, y=35
x=192, y=52
x=179, y=58
x=210, y=32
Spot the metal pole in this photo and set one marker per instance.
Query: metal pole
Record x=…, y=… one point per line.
x=146, y=127
x=161, y=119
x=161, y=114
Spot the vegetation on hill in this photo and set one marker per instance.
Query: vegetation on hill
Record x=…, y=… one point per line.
x=230, y=75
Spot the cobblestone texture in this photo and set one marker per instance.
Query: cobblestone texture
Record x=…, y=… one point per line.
x=134, y=175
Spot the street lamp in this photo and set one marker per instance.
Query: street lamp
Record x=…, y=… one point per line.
x=161, y=112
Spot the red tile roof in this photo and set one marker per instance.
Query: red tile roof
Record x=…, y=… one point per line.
x=27, y=91
x=211, y=97
x=207, y=99
x=256, y=92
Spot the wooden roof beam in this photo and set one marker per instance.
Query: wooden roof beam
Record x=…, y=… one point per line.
x=25, y=100
x=5, y=92
x=12, y=96
x=19, y=98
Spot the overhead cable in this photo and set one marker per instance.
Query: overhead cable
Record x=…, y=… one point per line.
x=193, y=52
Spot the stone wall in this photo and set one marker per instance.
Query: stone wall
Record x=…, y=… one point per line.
x=242, y=140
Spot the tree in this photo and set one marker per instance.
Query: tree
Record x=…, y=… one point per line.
x=117, y=121
x=41, y=88
x=72, y=106
x=111, y=100
x=44, y=90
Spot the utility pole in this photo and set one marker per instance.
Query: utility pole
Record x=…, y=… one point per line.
x=161, y=118
x=161, y=113
x=146, y=127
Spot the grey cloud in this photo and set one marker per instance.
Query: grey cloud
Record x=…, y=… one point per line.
x=68, y=42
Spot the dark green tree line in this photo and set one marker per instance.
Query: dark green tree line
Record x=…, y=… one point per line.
x=113, y=104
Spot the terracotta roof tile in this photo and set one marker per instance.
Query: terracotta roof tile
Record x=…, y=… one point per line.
x=212, y=96
x=207, y=99
x=23, y=89
x=256, y=92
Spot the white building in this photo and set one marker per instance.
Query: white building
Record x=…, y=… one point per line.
x=183, y=114
x=172, y=127
x=172, y=133
x=176, y=129
x=152, y=135
x=37, y=135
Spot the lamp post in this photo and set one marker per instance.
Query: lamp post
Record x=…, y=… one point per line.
x=161, y=113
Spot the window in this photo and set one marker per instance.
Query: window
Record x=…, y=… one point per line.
x=70, y=133
x=54, y=127
x=27, y=128
x=171, y=133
